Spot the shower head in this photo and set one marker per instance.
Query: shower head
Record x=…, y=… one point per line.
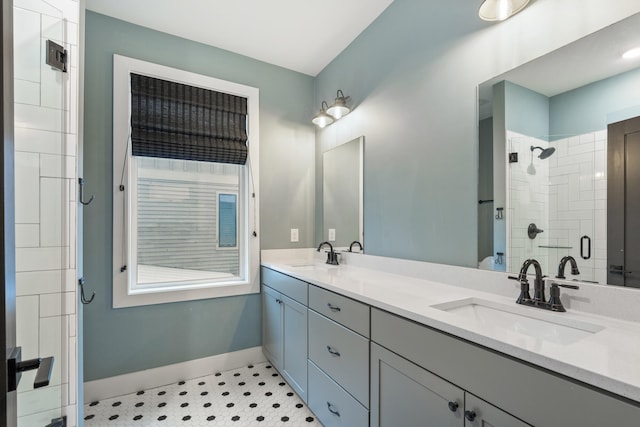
x=546, y=152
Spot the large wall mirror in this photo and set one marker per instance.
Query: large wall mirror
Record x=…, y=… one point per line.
x=342, y=195
x=549, y=182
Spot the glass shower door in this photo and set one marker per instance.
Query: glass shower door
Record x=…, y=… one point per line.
x=45, y=153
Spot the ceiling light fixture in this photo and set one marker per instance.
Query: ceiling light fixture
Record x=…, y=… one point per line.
x=632, y=53
x=339, y=108
x=499, y=10
x=322, y=119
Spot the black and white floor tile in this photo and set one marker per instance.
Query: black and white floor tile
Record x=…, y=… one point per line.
x=255, y=395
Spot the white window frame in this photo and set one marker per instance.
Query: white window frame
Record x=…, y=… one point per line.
x=125, y=294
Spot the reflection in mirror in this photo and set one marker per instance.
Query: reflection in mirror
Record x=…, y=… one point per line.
x=548, y=126
x=342, y=200
x=556, y=202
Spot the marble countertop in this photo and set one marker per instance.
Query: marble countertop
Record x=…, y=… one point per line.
x=607, y=359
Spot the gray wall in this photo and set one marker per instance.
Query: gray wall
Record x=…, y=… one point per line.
x=486, y=211
x=526, y=111
x=412, y=75
x=592, y=107
x=499, y=172
x=132, y=339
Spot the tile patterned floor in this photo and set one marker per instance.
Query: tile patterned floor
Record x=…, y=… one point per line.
x=252, y=396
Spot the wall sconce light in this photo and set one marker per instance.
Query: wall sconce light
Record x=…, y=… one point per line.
x=339, y=108
x=328, y=115
x=499, y=10
x=322, y=119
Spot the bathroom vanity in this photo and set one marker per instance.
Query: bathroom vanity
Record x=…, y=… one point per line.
x=388, y=349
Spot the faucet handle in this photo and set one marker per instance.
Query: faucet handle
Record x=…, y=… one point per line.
x=554, y=299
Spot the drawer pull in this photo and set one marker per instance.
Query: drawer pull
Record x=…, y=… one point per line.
x=333, y=411
x=333, y=352
x=453, y=406
x=333, y=307
x=470, y=415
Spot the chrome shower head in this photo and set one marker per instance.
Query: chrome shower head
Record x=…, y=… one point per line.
x=545, y=152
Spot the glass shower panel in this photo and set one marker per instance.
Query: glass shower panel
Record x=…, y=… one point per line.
x=551, y=201
x=44, y=210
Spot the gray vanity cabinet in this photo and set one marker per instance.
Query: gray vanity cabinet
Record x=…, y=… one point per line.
x=338, y=359
x=404, y=394
x=490, y=381
x=479, y=413
x=272, y=326
x=284, y=328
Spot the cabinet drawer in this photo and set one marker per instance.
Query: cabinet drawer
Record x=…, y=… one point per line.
x=287, y=285
x=331, y=404
x=352, y=314
x=342, y=354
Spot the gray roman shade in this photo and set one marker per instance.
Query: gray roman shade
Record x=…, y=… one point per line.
x=178, y=121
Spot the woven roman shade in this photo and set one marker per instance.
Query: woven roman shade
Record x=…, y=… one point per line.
x=178, y=121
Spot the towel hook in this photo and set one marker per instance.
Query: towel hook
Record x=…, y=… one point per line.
x=83, y=299
x=81, y=182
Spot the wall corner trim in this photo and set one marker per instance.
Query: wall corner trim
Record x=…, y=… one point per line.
x=120, y=385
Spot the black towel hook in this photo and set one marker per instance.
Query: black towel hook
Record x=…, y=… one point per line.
x=83, y=299
x=81, y=183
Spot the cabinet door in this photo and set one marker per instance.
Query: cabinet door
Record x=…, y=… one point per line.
x=479, y=413
x=404, y=394
x=295, y=346
x=272, y=331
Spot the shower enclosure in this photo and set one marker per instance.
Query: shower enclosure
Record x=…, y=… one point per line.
x=46, y=111
x=558, y=186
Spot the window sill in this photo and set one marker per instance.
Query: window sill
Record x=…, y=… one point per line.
x=122, y=297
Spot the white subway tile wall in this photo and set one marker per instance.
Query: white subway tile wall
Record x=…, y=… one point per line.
x=566, y=196
x=46, y=111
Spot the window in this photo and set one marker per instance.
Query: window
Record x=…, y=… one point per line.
x=185, y=210
x=227, y=221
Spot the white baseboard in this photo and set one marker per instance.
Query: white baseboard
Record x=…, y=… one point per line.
x=142, y=380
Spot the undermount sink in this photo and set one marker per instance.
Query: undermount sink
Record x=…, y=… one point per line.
x=533, y=322
x=311, y=266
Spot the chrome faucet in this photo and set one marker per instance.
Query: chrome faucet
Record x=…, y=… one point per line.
x=562, y=265
x=355, y=242
x=332, y=257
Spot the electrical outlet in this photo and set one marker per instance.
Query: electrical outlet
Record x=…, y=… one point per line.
x=332, y=234
x=294, y=235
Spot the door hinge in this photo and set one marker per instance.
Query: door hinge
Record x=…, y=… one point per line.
x=57, y=56
x=58, y=422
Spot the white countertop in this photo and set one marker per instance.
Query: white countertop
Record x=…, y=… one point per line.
x=608, y=359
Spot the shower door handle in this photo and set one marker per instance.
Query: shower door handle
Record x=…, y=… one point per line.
x=16, y=366
x=588, y=240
